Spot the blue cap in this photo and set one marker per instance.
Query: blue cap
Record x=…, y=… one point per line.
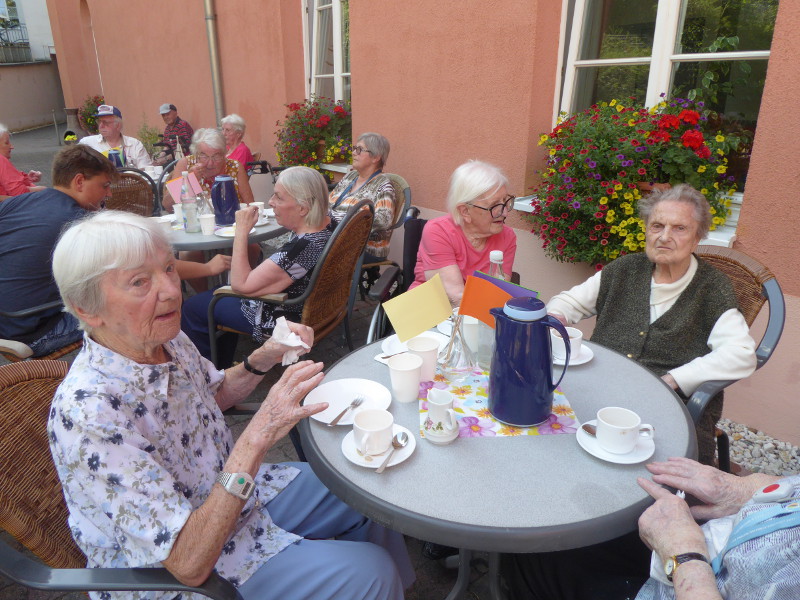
x=106, y=110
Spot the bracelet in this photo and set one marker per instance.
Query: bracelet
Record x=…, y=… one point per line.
x=251, y=368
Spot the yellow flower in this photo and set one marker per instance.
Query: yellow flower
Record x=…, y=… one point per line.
x=510, y=431
x=639, y=236
x=614, y=229
x=609, y=219
x=552, y=151
x=613, y=102
x=603, y=201
x=614, y=195
x=716, y=185
x=720, y=151
x=484, y=413
x=629, y=211
x=701, y=169
x=718, y=220
x=720, y=138
x=614, y=254
x=713, y=210
x=543, y=138
x=730, y=191
x=624, y=233
x=642, y=244
x=627, y=196
x=704, y=191
x=611, y=212
x=563, y=410
x=619, y=186
x=620, y=108
x=631, y=122
x=463, y=390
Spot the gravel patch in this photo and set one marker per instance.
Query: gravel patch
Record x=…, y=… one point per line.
x=757, y=452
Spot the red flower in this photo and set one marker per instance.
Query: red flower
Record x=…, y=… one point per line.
x=641, y=171
x=689, y=116
x=669, y=122
x=703, y=152
x=692, y=139
x=660, y=135
x=339, y=110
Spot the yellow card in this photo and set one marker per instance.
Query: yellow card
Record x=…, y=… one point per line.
x=419, y=309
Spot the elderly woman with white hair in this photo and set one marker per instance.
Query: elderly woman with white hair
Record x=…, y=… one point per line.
x=150, y=472
x=667, y=309
x=233, y=128
x=367, y=182
x=457, y=244
x=14, y=182
x=299, y=202
x=208, y=160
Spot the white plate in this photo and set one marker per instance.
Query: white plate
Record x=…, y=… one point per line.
x=340, y=392
x=262, y=221
x=230, y=231
x=585, y=356
x=354, y=456
x=445, y=327
x=643, y=450
x=270, y=212
x=393, y=345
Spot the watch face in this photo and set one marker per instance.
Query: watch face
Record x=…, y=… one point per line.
x=669, y=567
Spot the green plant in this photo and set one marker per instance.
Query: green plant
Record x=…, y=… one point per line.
x=307, y=124
x=148, y=136
x=86, y=114
x=601, y=159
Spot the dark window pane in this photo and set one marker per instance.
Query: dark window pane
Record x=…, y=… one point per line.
x=618, y=29
x=599, y=84
x=727, y=25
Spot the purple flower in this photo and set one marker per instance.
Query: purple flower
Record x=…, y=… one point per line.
x=592, y=164
x=473, y=427
x=424, y=386
x=621, y=156
x=576, y=204
x=555, y=424
x=640, y=148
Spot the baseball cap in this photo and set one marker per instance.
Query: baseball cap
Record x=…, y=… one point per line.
x=106, y=110
x=165, y=108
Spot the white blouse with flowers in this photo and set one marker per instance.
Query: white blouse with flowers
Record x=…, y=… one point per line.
x=137, y=448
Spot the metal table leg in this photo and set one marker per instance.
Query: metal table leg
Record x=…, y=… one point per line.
x=495, y=592
x=462, y=581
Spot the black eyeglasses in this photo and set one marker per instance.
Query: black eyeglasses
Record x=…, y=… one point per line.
x=358, y=150
x=496, y=210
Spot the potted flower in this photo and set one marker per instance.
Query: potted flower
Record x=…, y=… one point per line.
x=311, y=128
x=603, y=159
x=86, y=114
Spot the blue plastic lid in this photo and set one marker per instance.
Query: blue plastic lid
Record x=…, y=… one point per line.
x=525, y=309
x=223, y=178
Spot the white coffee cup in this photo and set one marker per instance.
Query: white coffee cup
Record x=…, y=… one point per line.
x=372, y=431
x=243, y=205
x=165, y=222
x=620, y=429
x=428, y=349
x=260, y=206
x=177, y=208
x=207, y=224
x=405, y=371
x=557, y=342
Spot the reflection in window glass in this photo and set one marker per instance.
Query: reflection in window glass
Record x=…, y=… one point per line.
x=598, y=84
x=323, y=2
x=346, y=86
x=346, y=36
x=733, y=89
x=725, y=26
x=324, y=47
x=618, y=29
x=325, y=87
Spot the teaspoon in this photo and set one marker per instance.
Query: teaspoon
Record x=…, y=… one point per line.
x=398, y=441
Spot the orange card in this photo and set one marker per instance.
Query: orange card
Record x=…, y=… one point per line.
x=479, y=296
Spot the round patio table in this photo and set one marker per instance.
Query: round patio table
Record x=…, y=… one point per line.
x=507, y=494
x=197, y=241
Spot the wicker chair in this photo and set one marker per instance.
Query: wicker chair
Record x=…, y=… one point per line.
x=328, y=299
x=754, y=284
x=134, y=192
x=15, y=351
x=32, y=507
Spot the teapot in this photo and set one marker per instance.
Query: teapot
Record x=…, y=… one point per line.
x=225, y=200
x=521, y=377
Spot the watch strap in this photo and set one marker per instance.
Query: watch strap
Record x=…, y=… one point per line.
x=679, y=559
x=251, y=368
x=240, y=485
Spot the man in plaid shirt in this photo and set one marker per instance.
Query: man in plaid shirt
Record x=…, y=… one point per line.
x=174, y=126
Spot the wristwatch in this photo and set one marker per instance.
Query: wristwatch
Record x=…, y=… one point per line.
x=672, y=563
x=240, y=485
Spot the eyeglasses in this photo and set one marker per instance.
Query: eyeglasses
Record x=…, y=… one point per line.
x=358, y=150
x=213, y=158
x=496, y=210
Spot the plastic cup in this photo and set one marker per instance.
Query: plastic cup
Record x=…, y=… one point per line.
x=405, y=371
x=178, y=210
x=164, y=222
x=428, y=349
x=207, y=224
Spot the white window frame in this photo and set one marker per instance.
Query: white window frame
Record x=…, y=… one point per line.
x=311, y=39
x=669, y=20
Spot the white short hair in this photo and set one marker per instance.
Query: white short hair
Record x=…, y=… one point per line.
x=104, y=241
x=471, y=181
x=4, y=130
x=307, y=186
x=234, y=121
x=210, y=137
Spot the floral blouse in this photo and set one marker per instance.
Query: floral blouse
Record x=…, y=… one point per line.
x=138, y=448
x=231, y=169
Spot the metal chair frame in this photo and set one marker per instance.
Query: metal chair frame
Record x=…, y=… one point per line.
x=14, y=355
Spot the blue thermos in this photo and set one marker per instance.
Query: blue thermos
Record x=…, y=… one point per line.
x=521, y=377
x=115, y=158
x=225, y=200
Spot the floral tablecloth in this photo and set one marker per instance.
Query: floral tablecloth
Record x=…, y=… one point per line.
x=471, y=405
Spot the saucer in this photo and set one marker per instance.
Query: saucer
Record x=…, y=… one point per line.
x=445, y=327
x=229, y=232
x=262, y=221
x=393, y=345
x=643, y=450
x=441, y=440
x=352, y=454
x=585, y=356
x=340, y=392
x=269, y=212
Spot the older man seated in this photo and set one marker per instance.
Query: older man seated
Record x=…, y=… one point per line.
x=151, y=473
x=14, y=182
x=176, y=129
x=109, y=122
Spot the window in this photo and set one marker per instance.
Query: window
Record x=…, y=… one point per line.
x=330, y=48
x=714, y=50
x=14, y=44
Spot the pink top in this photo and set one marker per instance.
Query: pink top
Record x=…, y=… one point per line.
x=444, y=243
x=242, y=154
x=13, y=182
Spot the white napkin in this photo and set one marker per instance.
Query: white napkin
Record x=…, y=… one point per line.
x=287, y=337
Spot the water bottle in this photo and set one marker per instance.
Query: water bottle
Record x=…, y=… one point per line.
x=496, y=265
x=191, y=222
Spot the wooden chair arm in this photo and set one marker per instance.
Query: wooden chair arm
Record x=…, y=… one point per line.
x=227, y=290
